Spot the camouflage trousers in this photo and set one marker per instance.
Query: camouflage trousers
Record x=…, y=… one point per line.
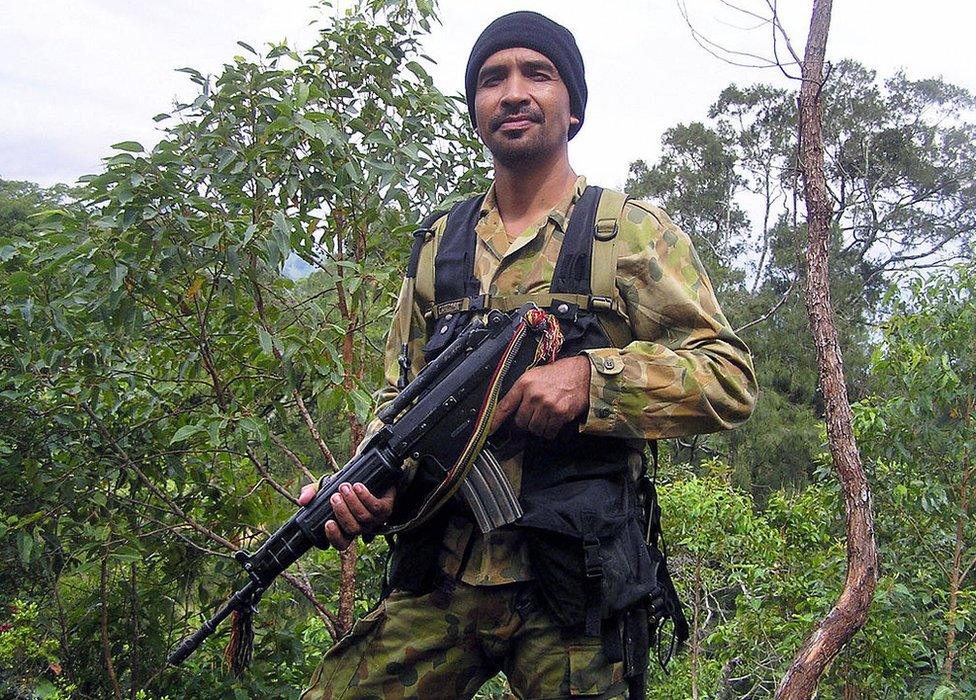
x=448, y=643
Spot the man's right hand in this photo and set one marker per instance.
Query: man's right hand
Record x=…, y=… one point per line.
x=357, y=512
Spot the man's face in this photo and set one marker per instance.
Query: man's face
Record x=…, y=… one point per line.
x=521, y=107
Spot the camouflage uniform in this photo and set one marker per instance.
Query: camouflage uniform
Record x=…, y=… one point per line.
x=685, y=373
x=448, y=643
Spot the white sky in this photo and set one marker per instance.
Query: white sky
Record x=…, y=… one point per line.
x=79, y=75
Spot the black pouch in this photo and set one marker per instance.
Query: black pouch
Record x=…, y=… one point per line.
x=412, y=558
x=587, y=550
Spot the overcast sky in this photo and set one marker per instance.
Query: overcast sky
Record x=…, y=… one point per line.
x=79, y=75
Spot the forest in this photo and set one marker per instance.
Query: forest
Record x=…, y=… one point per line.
x=190, y=335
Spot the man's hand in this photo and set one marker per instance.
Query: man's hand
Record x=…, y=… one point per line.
x=547, y=397
x=357, y=511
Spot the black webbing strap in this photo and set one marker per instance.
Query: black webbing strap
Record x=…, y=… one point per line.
x=454, y=262
x=593, y=569
x=572, y=273
x=419, y=238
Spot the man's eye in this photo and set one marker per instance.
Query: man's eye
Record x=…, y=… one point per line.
x=540, y=76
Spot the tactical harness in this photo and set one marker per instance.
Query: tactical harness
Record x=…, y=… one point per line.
x=582, y=509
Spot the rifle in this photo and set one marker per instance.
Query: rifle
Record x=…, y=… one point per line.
x=440, y=420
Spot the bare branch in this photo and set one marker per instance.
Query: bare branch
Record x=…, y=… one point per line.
x=773, y=310
x=716, y=50
x=266, y=475
x=292, y=457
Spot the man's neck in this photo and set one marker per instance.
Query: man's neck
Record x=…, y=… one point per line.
x=522, y=196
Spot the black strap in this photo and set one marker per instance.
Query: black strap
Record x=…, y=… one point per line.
x=454, y=263
x=419, y=237
x=572, y=273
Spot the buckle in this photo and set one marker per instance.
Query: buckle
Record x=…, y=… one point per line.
x=605, y=229
x=479, y=302
x=591, y=559
x=601, y=304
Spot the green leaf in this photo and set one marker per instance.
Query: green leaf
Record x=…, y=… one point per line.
x=46, y=689
x=251, y=425
x=248, y=47
x=265, y=339
x=131, y=146
x=117, y=275
x=378, y=137
x=301, y=93
x=327, y=133
x=185, y=432
x=25, y=545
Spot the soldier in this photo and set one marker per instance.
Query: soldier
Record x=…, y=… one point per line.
x=648, y=355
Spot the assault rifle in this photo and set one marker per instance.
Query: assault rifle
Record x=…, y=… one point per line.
x=441, y=421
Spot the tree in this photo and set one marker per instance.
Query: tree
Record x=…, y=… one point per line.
x=169, y=390
x=850, y=611
x=921, y=430
x=697, y=182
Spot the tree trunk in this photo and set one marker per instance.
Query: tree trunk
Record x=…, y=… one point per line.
x=850, y=611
x=352, y=374
x=103, y=627
x=695, y=632
x=955, y=578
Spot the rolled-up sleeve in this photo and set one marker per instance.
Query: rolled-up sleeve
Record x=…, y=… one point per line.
x=686, y=371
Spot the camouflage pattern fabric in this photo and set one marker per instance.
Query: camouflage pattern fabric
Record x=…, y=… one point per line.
x=448, y=643
x=685, y=373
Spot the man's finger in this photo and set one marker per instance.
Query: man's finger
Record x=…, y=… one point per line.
x=540, y=422
x=526, y=411
x=380, y=508
x=552, y=428
x=509, y=403
x=363, y=515
x=343, y=517
x=336, y=536
x=308, y=492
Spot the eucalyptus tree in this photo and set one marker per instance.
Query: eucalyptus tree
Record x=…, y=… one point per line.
x=173, y=389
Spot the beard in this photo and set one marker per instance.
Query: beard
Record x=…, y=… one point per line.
x=524, y=148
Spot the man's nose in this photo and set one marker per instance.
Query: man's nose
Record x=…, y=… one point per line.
x=516, y=92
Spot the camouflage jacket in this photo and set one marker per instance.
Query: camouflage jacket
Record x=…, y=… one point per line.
x=685, y=372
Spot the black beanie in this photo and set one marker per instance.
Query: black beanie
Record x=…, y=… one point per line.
x=530, y=30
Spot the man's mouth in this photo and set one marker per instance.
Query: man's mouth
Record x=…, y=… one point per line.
x=516, y=123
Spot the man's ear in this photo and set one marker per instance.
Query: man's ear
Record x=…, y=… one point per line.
x=573, y=121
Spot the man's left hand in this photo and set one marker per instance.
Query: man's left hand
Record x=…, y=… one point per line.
x=547, y=397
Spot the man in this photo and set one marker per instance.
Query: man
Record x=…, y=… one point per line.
x=522, y=599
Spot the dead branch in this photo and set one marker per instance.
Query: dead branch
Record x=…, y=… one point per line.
x=773, y=310
x=850, y=611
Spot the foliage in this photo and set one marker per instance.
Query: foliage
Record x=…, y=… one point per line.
x=165, y=356
x=920, y=431
x=166, y=390
x=900, y=170
x=29, y=661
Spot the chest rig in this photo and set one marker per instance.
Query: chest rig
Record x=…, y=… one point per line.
x=591, y=530
x=574, y=487
x=581, y=293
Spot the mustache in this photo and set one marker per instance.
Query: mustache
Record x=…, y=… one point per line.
x=532, y=115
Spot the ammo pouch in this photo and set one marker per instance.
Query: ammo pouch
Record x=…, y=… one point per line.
x=587, y=550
